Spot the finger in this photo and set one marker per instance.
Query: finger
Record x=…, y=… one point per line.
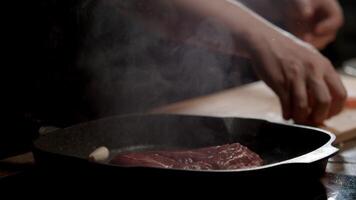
x=300, y=9
x=337, y=91
x=320, y=100
x=305, y=9
x=300, y=106
x=299, y=17
x=320, y=42
x=267, y=68
x=332, y=18
x=285, y=100
x=280, y=87
x=330, y=25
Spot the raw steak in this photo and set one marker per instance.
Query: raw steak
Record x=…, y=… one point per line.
x=229, y=156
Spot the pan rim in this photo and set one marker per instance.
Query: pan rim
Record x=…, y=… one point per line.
x=327, y=149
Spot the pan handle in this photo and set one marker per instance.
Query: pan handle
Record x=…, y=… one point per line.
x=321, y=153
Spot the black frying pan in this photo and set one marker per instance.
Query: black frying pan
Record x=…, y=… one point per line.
x=286, y=149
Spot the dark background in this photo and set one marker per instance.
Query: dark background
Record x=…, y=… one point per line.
x=49, y=47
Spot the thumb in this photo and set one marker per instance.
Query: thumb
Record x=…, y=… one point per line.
x=305, y=8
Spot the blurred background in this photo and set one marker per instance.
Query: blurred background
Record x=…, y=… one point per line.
x=65, y=64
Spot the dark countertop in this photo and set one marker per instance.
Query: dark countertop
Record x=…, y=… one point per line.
x=345, y=161
x=340, y=187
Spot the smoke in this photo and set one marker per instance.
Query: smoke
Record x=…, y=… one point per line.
x=134, y=68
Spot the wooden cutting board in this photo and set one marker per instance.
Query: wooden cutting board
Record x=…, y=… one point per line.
x=256, y=100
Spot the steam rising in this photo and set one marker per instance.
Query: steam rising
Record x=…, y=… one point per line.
x=133, y=68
